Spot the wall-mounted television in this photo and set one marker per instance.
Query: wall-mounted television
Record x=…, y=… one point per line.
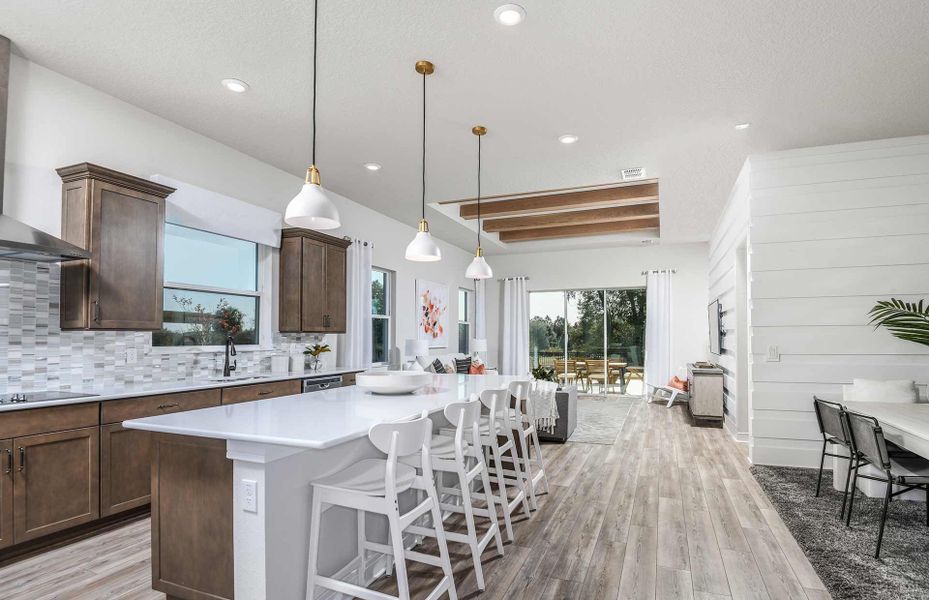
x=714, y=314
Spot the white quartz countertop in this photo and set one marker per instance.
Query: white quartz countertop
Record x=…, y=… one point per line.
x=116, y=391
x=319, y=419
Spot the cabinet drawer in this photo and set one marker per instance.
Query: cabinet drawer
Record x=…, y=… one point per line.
x=29, y=421
x=117, y=411
x=260, y=391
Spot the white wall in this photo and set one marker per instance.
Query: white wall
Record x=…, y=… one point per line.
x=833, y=229
x=55, y=121
x=730, y=238
x=618, y=267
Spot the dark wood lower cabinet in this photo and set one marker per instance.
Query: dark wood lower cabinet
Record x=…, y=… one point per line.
x=125, y=469
x=192, y=552
x=56, y=482
x=6, y=493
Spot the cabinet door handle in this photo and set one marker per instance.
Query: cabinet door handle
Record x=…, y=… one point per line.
x=9, y=462
x=167, y=406
x=96, y=311
x=22, y=459
x=264, y=393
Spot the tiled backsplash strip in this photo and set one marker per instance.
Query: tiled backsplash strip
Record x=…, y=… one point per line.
x=35, y=354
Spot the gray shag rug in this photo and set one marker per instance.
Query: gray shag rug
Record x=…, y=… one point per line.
x=600, y=417
x=844, y=557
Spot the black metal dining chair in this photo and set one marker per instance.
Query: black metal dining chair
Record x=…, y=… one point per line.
x=832, y=427
x=868, y=443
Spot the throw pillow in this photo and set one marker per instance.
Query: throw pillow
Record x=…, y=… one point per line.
x=463, y=365
x=437, y=366
x=476, y=369
x=449, y=366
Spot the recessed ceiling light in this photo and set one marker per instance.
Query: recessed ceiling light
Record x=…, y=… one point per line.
x=510, y=14
x=235, y=85
x=742, y=126
x=568, y=138
x=372, y=166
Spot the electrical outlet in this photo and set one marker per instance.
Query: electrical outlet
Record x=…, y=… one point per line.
x=773, y=354
x=132, y=356
x=250, y=495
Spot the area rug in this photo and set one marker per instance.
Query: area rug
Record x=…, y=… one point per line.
x=844, y=557
x=600, y=417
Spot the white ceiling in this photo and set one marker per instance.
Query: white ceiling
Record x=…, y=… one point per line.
x=652, y=83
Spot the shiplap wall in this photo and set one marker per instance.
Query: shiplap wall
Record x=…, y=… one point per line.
x=730, y=235
x=833, y=229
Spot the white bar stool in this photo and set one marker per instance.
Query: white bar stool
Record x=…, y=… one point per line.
x=497, y=423
x=451, y=455
x=524, y=424
x=373, y=485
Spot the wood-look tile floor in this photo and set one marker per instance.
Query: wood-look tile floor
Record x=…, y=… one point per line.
x=668, y=511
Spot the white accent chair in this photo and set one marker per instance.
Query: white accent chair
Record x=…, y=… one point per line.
x=374, y=485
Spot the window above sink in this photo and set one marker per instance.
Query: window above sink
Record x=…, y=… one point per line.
x=211, y=290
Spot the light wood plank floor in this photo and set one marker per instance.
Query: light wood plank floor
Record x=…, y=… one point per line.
x=669, y=511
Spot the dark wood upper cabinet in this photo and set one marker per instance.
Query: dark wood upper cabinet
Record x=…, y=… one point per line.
x=312, y=284
x=119, y=218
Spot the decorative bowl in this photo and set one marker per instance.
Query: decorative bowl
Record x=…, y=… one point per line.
x=392, y=382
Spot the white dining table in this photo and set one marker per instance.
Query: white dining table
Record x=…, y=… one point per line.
x=905, y=424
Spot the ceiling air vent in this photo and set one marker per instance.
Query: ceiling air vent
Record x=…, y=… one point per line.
x=633, y=173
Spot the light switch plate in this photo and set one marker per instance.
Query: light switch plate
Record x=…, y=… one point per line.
x=250, y=495
x=773, y=354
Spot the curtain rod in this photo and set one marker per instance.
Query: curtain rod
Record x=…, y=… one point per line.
x=659, y=271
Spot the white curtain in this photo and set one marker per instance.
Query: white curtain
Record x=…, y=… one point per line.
x=658, y=327
x=354, y=346
x=514, y=328
x=480, y=324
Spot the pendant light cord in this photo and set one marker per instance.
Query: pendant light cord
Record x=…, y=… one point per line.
x=315, y=39
x=424, y=146
x=479, y=191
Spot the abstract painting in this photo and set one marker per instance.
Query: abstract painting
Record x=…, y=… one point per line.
x=432, y=313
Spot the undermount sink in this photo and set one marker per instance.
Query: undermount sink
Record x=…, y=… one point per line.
x=238, y=378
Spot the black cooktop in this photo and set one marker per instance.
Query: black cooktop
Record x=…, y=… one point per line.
x=24, y=397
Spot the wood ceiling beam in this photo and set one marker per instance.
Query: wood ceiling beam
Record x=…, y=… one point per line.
x=550, y=233
x=576, y=217
x=628, y=194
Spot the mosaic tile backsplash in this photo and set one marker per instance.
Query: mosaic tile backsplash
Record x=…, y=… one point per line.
x=35, y=354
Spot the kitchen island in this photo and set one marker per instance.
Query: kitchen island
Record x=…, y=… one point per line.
x=231, y=486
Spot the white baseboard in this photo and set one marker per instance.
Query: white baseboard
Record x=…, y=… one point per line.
x=742, y=439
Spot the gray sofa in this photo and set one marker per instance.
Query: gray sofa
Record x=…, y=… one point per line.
x=566, y=399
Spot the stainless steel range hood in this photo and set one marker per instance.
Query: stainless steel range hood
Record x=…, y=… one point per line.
x=19, y=241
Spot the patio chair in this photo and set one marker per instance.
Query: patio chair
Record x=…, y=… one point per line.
x=566, y=371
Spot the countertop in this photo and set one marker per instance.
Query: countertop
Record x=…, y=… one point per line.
x=320, y=419
x=133, y=390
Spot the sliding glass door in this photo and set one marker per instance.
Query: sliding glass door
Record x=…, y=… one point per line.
x=589, y=336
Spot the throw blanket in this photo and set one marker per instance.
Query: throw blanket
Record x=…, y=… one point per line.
x=542, y=406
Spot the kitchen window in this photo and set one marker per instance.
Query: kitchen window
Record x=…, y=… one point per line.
x=211, y=289
x=381, y=313
x=464, y=320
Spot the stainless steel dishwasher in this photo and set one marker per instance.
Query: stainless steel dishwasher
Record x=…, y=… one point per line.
x=323, y=382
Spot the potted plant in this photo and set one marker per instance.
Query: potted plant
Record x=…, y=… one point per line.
x=904, y=320
x=315, y=350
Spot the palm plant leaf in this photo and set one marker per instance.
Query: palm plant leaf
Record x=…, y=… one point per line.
x=904, y=320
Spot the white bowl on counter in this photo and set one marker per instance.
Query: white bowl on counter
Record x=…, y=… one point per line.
x=392, y=382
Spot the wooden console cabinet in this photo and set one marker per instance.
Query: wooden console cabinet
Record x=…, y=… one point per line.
x=312, y=282
x=120, y=220
x=706, y=392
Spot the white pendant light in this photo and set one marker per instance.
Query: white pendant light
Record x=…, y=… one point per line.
x=479, y=269
x=313, y=208
x=423, y=248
